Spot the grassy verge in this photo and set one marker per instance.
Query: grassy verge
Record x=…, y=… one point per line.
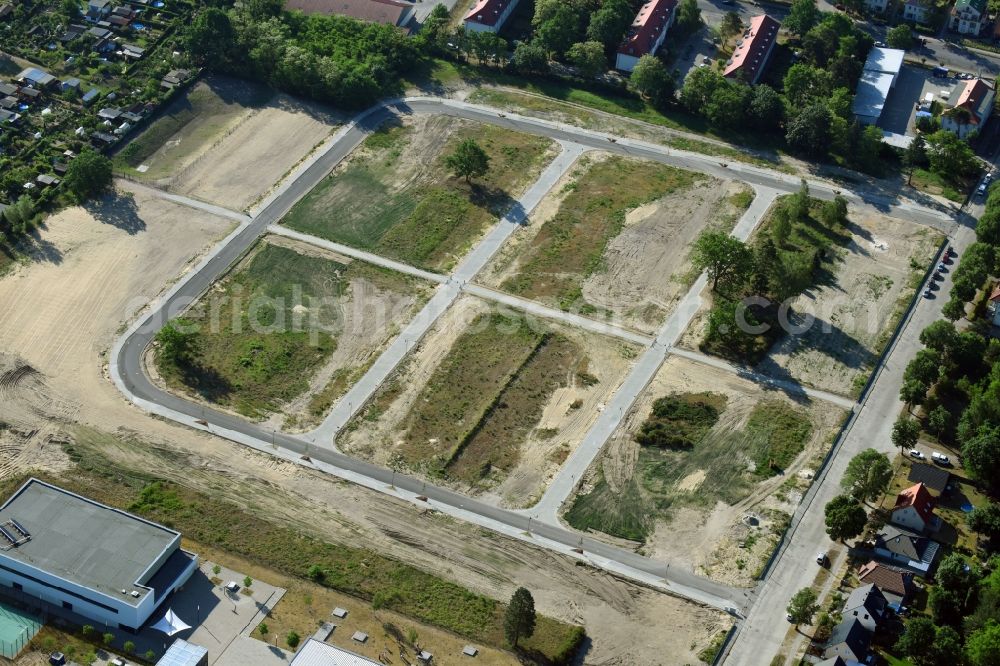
x=355, y=571
x=420, y=215
x=933, y=183
x=715, y=468
x=569, y=247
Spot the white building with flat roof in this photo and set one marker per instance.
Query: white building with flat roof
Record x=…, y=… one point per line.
x=105, y=564
x=317, y=653
x=878, y=78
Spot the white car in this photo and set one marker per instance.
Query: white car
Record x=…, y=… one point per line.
x=917, y=455
x=940, y=458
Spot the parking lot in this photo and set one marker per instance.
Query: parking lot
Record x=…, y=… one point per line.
x=911, y=86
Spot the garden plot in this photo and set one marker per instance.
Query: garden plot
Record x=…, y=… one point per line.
x=395, y=196
x=715, y=447
x=226, y=141
x=492, y=402
x=612, y=239
x=287, y=332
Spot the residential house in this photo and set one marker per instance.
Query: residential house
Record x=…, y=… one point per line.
x=90, y=96
x=72, y=83
x=489, y=15
x=8, y=103
x=895, y=583
x=72, y=32
x=914, y=509
x=102, y=138
x=109, y=114
x=918, y=11
x=174, y=78
x=386, y=12
x=132, y=51
x=28, y=94
x=905, y=548
x=35, y=77
x=46, y=180
x=8, y=89
x=993, y=306
x=753, y=50
x=6, y=9
x=849, y=641
x=646, y=34
x=971, y=106
x=8, y=116
x=98, y=9
x=876, y=6
x=867, y=605
x=100, y=33
x=968, y=16
x=933, y=477
x=119, y=21
x=124, y=11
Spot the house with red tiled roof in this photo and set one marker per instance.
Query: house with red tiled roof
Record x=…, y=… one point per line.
x=895, y=584
x=647, y=32
x=914, y=510
x=489, y=15
x=975, y=99
x=753, y=50
x=993, y=306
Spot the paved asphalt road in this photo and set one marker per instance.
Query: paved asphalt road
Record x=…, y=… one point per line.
x=127, y=365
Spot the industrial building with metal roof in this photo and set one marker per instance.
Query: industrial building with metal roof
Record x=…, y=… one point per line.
x=83, y=556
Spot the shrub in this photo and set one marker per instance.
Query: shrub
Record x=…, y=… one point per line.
x=292, y=639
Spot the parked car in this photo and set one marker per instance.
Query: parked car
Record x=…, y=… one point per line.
x=981, y=190
x=940, y=458
x=941, y=268
x=822, y=558
x=118, y=661
x=928, y=293
x=917, y=454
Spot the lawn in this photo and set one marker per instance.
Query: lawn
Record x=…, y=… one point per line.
x=933, y=183
x=569, y=247
x=488, y=393
x=355, y=571
x=268, y=327
x=190, y=122
x=723, y=458
x=396, y=197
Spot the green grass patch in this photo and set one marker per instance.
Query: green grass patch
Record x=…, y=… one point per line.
x=407, y=206
x=711, y=651
x=725, y=459
x=494, y=443
x=569, y=247
x=260, y=340
x=485, y=397
x=363, y=573
x=777, y=433
x=933, y=183
x=680, y=421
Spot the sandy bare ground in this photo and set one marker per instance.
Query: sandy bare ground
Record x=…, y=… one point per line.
x=62, y=318
x=646, y=268
x=234, y=154
x=702, y=537
x=568, y=413
x=855, y=314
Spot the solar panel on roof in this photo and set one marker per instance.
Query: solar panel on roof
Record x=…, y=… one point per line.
x=7, y=535
x=19, y=528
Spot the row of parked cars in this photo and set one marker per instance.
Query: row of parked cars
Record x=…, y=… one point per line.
x=936, y=276
x=939, y=458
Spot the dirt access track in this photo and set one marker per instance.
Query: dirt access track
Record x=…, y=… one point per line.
x=94, y=269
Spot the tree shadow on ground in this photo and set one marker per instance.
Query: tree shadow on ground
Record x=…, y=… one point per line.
x=118, y=209
x=39, y=249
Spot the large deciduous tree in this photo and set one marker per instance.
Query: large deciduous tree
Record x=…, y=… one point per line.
x=727, y=260
x=803, y=606
x=845, y=518
x=88, y=175
x=867, y=475
x=468, y=161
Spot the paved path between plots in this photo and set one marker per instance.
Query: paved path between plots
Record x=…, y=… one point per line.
x=126, y=358
x=190, y=202
x=446, y=294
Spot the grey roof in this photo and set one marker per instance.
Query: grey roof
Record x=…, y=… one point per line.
x=182, y=653
x=315, y=653
x=7, y=89
x=932, y=476
x=907, y=543
x=85, y=542
x=869, y=597
x=873, y=89
x=36, y=75
x=884, y=60
x=835, y=661
x=851, y=633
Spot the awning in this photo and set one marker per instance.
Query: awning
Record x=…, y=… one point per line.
x=170, y=624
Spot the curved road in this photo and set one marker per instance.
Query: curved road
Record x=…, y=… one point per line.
x=126, y=364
